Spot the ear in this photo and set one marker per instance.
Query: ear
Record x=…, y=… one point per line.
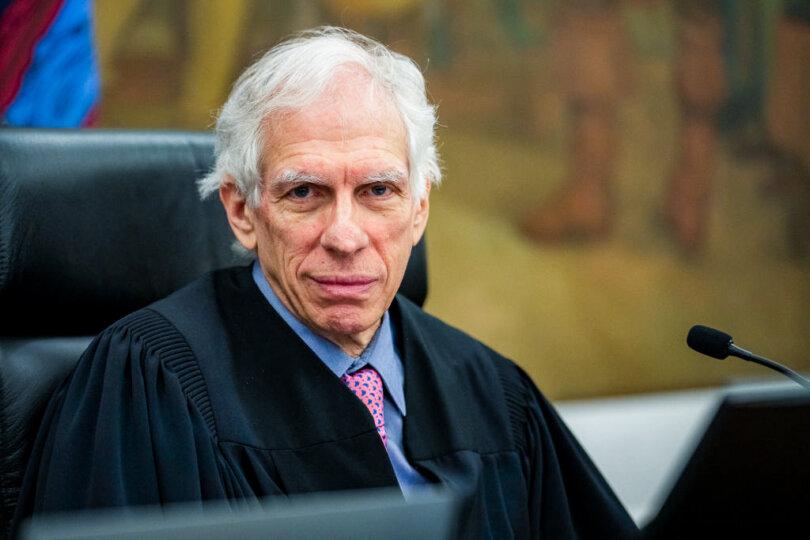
x=421, y=217
x=240, y=216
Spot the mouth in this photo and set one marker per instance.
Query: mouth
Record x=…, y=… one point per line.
x=345, y=287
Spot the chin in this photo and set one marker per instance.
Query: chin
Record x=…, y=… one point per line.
x=351, y=321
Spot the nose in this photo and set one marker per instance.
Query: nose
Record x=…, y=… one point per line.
x=344, y=234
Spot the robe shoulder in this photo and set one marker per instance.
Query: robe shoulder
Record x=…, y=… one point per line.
x=454, y=346
x=489, y=385
x=560, y=492
x=130, y=426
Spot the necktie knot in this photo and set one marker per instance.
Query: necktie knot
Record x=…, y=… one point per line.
x=367, y=385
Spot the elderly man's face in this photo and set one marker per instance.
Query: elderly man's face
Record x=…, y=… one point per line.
x=337, y=218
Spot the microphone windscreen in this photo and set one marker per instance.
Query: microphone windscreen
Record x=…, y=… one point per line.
x=709, y=341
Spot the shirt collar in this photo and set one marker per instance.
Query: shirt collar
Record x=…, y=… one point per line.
x=381, y=353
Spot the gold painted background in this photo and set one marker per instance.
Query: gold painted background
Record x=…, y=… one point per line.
x=541, y=105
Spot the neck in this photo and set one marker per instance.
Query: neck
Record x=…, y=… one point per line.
x=352, y=344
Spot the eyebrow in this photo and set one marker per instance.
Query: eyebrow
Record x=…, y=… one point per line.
x=390, y=175
x=290, y=176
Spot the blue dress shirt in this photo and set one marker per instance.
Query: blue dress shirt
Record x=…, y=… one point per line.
x=381, y=354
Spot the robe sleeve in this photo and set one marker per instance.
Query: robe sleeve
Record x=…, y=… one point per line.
x=568, y=497
x=123, y=429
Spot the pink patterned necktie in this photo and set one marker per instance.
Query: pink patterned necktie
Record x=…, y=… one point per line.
x=367, y=385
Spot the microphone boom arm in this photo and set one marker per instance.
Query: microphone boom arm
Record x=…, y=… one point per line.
x=739, y=352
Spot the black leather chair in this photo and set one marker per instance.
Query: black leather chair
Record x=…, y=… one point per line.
x=93, y=225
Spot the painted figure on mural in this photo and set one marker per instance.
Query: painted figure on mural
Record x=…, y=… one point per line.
x=719, y=78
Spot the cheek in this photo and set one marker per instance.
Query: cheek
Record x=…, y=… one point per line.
x=394, y=224
x=300, y=242
x=288, y=242
x=394, y=245
x=299, y=236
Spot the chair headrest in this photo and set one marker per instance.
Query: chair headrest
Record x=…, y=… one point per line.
x=103, y=222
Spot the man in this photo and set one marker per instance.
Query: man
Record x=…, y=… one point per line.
x=246, y=383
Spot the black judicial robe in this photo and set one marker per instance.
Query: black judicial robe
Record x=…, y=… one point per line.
x=208, y=394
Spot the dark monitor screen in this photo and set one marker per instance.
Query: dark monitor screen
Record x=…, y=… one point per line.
x=430, y=513
x=750, y=469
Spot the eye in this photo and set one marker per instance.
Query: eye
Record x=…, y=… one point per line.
x=379, y=190
x=301, y=192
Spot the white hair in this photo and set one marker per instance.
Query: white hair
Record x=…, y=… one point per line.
x=292, y=75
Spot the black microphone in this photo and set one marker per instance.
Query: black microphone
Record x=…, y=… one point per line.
x=720, y=345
